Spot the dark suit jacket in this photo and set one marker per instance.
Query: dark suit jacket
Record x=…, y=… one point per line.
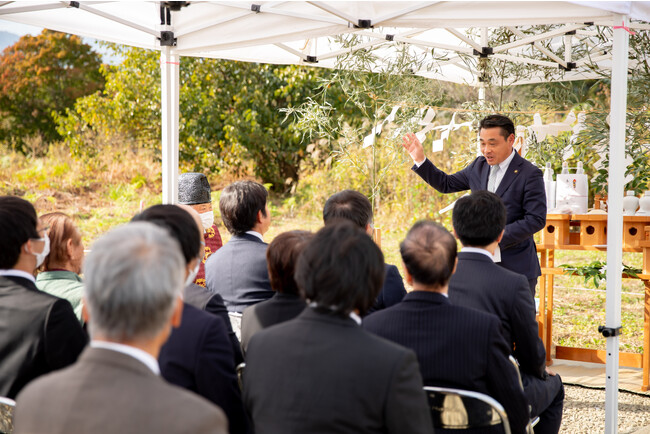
x=479, y=283
x=198, y=357
x=392, y=292
x=238, y=272
x=322, y=373
x=199, y=297
x=110, y=392
x=456, y=347
x=39, y=333
x=522, y=191
x=280, y=308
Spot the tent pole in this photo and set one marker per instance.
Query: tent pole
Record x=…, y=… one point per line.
x=618, y=108
x=169, y=88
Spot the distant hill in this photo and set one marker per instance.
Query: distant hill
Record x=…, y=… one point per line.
x=7, y=39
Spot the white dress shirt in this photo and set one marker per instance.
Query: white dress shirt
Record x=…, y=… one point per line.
x=18, y=273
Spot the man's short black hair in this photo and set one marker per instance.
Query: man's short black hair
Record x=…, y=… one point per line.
x=500, y=121
x=341, y=269
x=429, y=253
x=180, y=225
x=479, y=218
x=239, y=204
x=349, y=205
x=18, y=224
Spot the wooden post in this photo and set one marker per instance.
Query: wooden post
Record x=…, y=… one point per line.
x=549, y=308
x=646, y=337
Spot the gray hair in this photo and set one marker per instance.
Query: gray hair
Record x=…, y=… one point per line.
x=132, y=279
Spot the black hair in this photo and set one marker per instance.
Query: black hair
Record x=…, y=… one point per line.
x=18, y=224
x=498, y=121
x=429, y=253
x=349, y=205
x=479, y=218
x=341, y=269
x=239, y=204
x=180, y=225
x=281, y=257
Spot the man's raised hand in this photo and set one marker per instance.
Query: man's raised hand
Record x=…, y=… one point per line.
x=413, y=146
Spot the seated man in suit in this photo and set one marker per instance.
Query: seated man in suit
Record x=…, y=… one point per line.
x=286, y=304
x=237, y=271
x=199, y=297
x=132, y=297
x=479, y=221
x=194, y=191
x=321, y=372
x=39, y=332
x=355, y=207
x=456, y=346
x=198, y=355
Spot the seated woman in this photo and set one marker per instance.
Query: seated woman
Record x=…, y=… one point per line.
x=61, y=268
x=286, y=303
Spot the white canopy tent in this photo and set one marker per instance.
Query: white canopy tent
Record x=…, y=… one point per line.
x=299, y=32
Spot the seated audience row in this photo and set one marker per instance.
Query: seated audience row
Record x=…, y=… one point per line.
x=311, y=366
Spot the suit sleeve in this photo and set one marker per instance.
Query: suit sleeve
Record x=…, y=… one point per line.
x=534, y=211
x=407, y=409
x=64, y=337
x=394, y=290
x=217, y=307
x=442, y=182
x=216, y=378
x=503, y=381
x=529, y=349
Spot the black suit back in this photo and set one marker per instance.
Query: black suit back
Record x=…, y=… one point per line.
x=456, y=347
x=39, y=333
x=321, y=373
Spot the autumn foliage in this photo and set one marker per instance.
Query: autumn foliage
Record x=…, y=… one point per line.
x=40, y=75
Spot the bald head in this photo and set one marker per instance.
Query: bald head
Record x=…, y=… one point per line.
x=429, y=254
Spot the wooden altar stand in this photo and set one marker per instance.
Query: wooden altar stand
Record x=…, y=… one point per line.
x=589, y=232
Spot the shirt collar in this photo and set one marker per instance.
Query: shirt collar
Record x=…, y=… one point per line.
x=145, y=358
x=477, y=250
x=353, y=315
x=18, y=273
x=256, y=234
x=503, y=166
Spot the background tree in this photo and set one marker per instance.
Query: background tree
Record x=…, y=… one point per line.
x=229, y=114
x=40, y=75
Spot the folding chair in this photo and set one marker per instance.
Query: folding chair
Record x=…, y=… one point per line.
x=240, y=375
x=459, y=409
x=533, y=422
x=7, y=415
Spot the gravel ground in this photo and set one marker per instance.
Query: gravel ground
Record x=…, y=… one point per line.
x=584, y=411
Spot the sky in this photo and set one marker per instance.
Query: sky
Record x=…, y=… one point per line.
x=24, y=29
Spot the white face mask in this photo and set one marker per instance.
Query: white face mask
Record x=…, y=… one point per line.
x=207, y=220
x=40, y=257
x=193, y=273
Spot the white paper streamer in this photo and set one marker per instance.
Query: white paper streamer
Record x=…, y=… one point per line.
x=553, y=129
x=369, y=140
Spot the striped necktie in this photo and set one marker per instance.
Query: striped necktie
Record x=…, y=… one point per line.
x=493, y=178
